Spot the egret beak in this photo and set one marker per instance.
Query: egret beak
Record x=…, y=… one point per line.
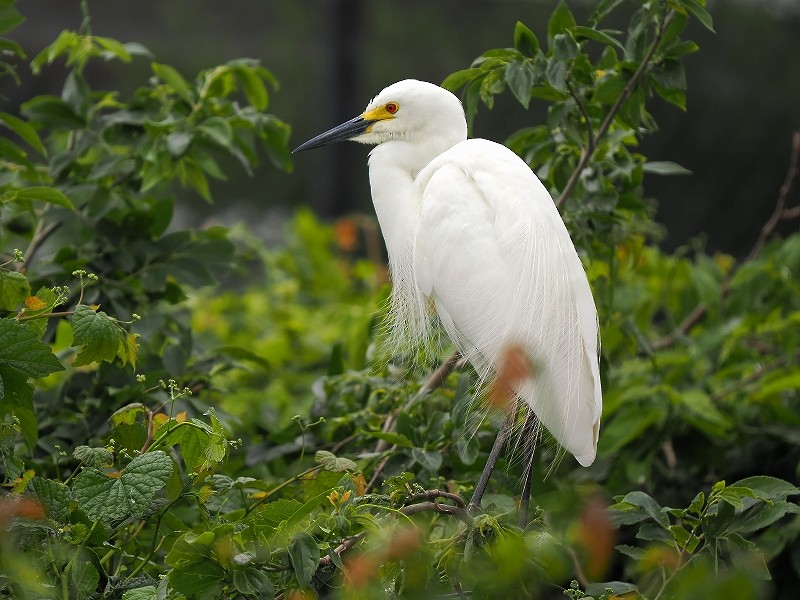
x=340, y=133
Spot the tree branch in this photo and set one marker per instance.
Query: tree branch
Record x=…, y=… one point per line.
x=779, y=214
x=783, y=194
x=586, y=156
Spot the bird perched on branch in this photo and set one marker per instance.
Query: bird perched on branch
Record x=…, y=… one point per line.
x=469, y=226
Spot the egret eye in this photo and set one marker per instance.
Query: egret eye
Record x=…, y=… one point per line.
x=391, y=108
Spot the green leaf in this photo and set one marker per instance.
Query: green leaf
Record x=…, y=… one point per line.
x=700, y=13
x=716, y=525
x=519, y=77
x=98, y=458
x=96, y=334
x=9, y=17
x=84, y=579
x=195, y=570
x=148, y=592
x=24, y=130
x=241, y=353
x=21, y=349
x=396, y=439
x=113, y=47
x=52, y=112
x=560, y=20
x=459, y=79
x=769, y=488
x=430, y=459
x=48, y=302
x=129, y=349
x=630, y=425
x=14, y=288
x=172, y=78
x=217, y=130
x=16, y=398
x=565, y=47
x=746, y=557
x=331, y=462
x=665, y=168
x=178, y=143
x=253, y=87
x=202, y=446
x=39, y=193
x=189, y=549
x=53, y=496
x=635, y=506
x=304, y=555
x=525, y=40
x=703, y=414
x=253, y=582
x=108, y=498
x=268, y=517
x=579, y=31
x=609, y=87
x=128, y=414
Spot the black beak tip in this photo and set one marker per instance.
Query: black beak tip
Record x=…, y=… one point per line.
x=342, y=132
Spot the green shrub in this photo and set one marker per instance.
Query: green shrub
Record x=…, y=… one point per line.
x=121, y=481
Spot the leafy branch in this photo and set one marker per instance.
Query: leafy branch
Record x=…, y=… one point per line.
x=594, y=140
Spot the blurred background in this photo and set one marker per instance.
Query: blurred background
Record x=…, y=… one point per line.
x=332, y=56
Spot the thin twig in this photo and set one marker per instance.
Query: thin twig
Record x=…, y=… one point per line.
x=39, y=238
x=582, y=108
x=587, y=154
x=433, y=494
x=346, y=544
x=462, y=514
x=783, y=194
x=751, y=378
x=790, y=213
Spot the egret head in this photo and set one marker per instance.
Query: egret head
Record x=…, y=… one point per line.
x=414, y=111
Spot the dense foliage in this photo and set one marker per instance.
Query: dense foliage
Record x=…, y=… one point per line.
x=163, y=438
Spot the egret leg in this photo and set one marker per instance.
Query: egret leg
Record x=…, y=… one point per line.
x=529, y=433
x=491, y=462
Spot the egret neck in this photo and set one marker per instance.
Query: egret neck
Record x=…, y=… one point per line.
x=393, y=168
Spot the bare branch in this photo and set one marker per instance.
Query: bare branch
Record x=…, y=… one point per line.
x=433, y=494
x=783, y=194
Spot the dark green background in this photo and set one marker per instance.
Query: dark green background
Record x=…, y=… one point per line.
x=332, y=56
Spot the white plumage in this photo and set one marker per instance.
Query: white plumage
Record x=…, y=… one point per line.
x=468, y=225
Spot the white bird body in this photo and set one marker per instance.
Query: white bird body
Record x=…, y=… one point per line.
x=469, y=226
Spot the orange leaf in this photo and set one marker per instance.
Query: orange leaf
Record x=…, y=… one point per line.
x=34, y=303
x=360, y=484
x=346, y=232
x=360, y=570
x=403, y=543
x=515, y=367
x=597, y=537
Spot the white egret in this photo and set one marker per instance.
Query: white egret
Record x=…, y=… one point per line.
x=469, y=226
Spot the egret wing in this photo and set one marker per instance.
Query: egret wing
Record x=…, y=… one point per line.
x=495, y=256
